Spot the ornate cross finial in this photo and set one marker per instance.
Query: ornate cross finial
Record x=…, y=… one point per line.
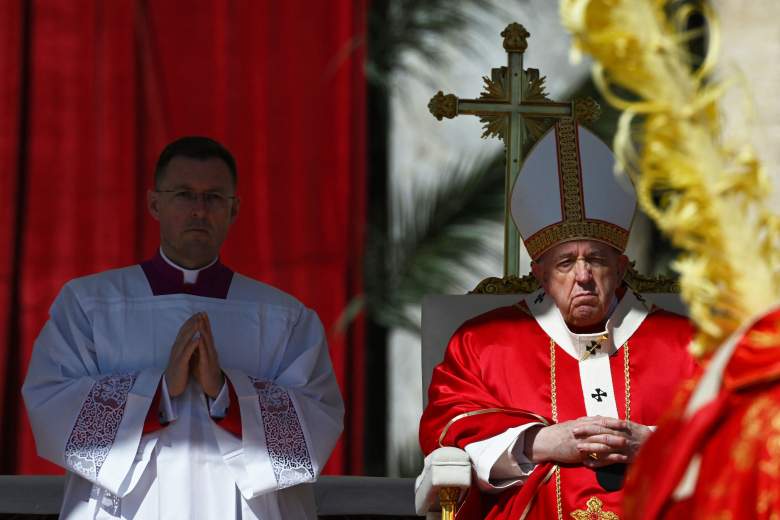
x=515, y=38
x=443, y=106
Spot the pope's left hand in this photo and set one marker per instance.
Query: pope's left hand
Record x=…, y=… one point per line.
x=603, y=442
x=205, y=366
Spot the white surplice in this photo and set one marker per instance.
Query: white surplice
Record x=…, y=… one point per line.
x=97, y=365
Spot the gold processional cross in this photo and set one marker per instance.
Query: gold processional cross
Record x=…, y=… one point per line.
x=513, y=107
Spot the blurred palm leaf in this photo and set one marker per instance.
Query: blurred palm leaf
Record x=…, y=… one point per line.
x=396, y=27
x=440, y=231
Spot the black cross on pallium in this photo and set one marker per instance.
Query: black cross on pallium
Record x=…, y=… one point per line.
x=592, y=347
x=598, y=394
x=539, y=298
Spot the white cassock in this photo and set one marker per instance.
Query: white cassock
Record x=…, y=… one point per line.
x=98, y=363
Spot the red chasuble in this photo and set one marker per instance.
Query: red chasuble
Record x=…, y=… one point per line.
x=520, y=364
x=717, y=453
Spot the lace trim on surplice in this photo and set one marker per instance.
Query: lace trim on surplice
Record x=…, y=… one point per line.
x=284, y=437
x=97, y=425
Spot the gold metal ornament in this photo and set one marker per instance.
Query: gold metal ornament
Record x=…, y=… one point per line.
x=586, y=110
x=443, y=106
x=448, y=498
x=527, y=284
x=650, y=284
x=508, y=285
x=515, y=38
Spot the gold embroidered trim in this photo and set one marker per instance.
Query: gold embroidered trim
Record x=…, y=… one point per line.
x=554, y=413
x=595, y=511
x=605, y=232
x=760, y=427
x=569, y=170
x=484, y=411
x=765, y=339
x=627, y=376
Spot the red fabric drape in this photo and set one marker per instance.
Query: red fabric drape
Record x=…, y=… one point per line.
x=11, y=151
x=110, y=83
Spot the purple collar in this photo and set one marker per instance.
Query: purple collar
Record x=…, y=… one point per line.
x=213, y=282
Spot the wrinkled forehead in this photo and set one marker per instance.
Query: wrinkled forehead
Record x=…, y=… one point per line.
x=579, y=248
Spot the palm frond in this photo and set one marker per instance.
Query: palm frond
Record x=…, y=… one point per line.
x=419, y=26
x=440, y=232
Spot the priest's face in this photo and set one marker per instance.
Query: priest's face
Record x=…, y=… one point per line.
x=581, y=277
x=195, y=204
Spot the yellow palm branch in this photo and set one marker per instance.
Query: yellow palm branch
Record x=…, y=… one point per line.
x=710, y=198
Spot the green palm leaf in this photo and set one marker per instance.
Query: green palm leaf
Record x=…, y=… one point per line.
x=441, y=231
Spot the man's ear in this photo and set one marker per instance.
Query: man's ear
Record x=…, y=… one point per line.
x=234, y=209
x=152, y=203
x=538, y=271
x=622, y=266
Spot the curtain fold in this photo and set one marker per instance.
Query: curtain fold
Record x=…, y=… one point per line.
x=108, y=84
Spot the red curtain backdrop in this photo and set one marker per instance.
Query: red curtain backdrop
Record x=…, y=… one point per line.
x=92, y=90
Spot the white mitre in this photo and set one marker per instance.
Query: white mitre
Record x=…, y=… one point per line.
x=567, y=190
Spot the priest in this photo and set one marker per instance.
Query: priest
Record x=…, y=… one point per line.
x=552, y=397
x=178, y=388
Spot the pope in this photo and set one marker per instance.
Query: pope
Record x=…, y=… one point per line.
x=552, y=397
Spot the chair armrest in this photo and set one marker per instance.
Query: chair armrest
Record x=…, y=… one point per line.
x=444, y=468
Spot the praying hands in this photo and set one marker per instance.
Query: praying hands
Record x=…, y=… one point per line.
x=193, y=353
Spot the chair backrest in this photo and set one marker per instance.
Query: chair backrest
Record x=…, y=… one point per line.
x=443, y=314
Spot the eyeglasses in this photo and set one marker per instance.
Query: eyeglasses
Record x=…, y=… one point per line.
x=189, y=198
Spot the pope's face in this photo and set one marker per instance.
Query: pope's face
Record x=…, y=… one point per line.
x=195, y=207
x=581, y=277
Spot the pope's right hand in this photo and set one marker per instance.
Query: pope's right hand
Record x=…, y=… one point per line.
x=558, y=443
x=178, y=371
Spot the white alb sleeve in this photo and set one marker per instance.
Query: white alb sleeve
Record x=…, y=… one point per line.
x=497, y=464
x=290, y=420
x=88, y=422
x=167, y=404
x=219, y=405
